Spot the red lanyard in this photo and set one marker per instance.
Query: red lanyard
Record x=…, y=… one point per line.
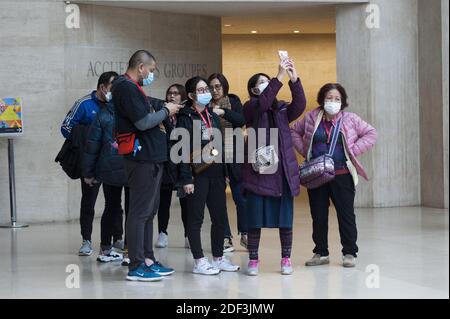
x=327, y=130
x=207, y=123
x=137, y=84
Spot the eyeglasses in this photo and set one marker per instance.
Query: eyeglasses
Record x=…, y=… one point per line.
x=216, y=87
x=203, y=90
x=173, y=93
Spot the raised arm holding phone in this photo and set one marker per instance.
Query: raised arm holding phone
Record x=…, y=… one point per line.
x=270, y=196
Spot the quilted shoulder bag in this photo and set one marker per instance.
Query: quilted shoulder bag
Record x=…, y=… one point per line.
x=320, y=170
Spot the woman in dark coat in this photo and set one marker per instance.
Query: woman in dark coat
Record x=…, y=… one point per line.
x=270, y=196
x=229, y=109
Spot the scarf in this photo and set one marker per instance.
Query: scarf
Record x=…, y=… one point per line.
x=228, y=140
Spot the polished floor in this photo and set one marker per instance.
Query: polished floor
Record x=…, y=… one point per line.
x=404, y=253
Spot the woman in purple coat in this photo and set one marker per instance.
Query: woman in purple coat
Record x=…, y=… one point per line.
x=270, y=196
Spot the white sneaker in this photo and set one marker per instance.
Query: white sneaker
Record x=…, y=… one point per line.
x=163, y=240
x=224, y=264
x=286, y=266
x=203, y=267
x=253, y=266
x=349, y=261
x=107, y=256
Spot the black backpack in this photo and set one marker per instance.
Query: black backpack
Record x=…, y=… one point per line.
x=69, y=157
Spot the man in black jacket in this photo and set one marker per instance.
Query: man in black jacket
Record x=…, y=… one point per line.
x=74, y=128
x=102, y=163
x=144, y=165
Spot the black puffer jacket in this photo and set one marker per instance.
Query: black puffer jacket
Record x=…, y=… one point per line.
x=100, y=157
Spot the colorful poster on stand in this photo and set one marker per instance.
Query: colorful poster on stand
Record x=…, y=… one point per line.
x=11, y=122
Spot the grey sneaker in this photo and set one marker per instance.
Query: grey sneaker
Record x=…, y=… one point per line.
x=318, y=260
x=86, y=248
x=349, y=261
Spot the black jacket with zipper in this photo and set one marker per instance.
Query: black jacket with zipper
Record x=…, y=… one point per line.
x=185, y=119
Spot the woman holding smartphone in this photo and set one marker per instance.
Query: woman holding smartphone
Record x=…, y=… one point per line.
x=270, y=196
x=176, y=93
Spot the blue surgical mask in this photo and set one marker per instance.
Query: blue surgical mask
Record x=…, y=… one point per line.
x=204, y=99
x=149, y=79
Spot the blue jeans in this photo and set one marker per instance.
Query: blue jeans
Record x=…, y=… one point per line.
x=241, y=205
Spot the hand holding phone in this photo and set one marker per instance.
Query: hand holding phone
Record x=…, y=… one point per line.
x=283, y=55
x=173, y=108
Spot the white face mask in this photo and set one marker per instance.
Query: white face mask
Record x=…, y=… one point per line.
x=262, y=87
x=332, y=108
x=108, y=96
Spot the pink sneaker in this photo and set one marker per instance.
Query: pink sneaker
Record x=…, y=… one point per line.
x=286, y=266
x=252, y=269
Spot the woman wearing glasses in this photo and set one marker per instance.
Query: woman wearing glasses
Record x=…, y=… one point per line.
x=174, y=94
x=204, y=183
x=229, y=109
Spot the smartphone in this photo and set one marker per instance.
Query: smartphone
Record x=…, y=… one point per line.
x=283, y=55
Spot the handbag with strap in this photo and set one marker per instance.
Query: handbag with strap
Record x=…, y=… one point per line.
x=264, y=159
x=320, y=170
x=198, y=163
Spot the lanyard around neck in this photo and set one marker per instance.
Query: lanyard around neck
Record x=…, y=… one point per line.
x=208, y=121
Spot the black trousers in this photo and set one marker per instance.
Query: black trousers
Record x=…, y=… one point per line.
x=144, y=181
x=165, y=200
x=209, y=191
x=341, y=191
x=119, y=232
x=87, y=212
x=111, y=226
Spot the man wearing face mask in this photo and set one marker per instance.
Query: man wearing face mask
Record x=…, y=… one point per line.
x=75, y=127
x=138, y=114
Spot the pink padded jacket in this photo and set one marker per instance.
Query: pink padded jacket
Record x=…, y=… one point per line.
x=359, y=136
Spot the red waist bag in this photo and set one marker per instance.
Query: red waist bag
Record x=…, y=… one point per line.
x=125, y=142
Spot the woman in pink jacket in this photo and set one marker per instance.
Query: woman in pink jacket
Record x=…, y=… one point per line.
x=311, y=137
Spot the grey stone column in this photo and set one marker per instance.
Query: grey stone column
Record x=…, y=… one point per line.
x=377, y=64
x=433, y=81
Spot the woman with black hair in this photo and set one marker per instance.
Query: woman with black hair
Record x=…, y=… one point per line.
x=270, y=196
x=176, y=93
x=229, y=109
x=204, y=180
